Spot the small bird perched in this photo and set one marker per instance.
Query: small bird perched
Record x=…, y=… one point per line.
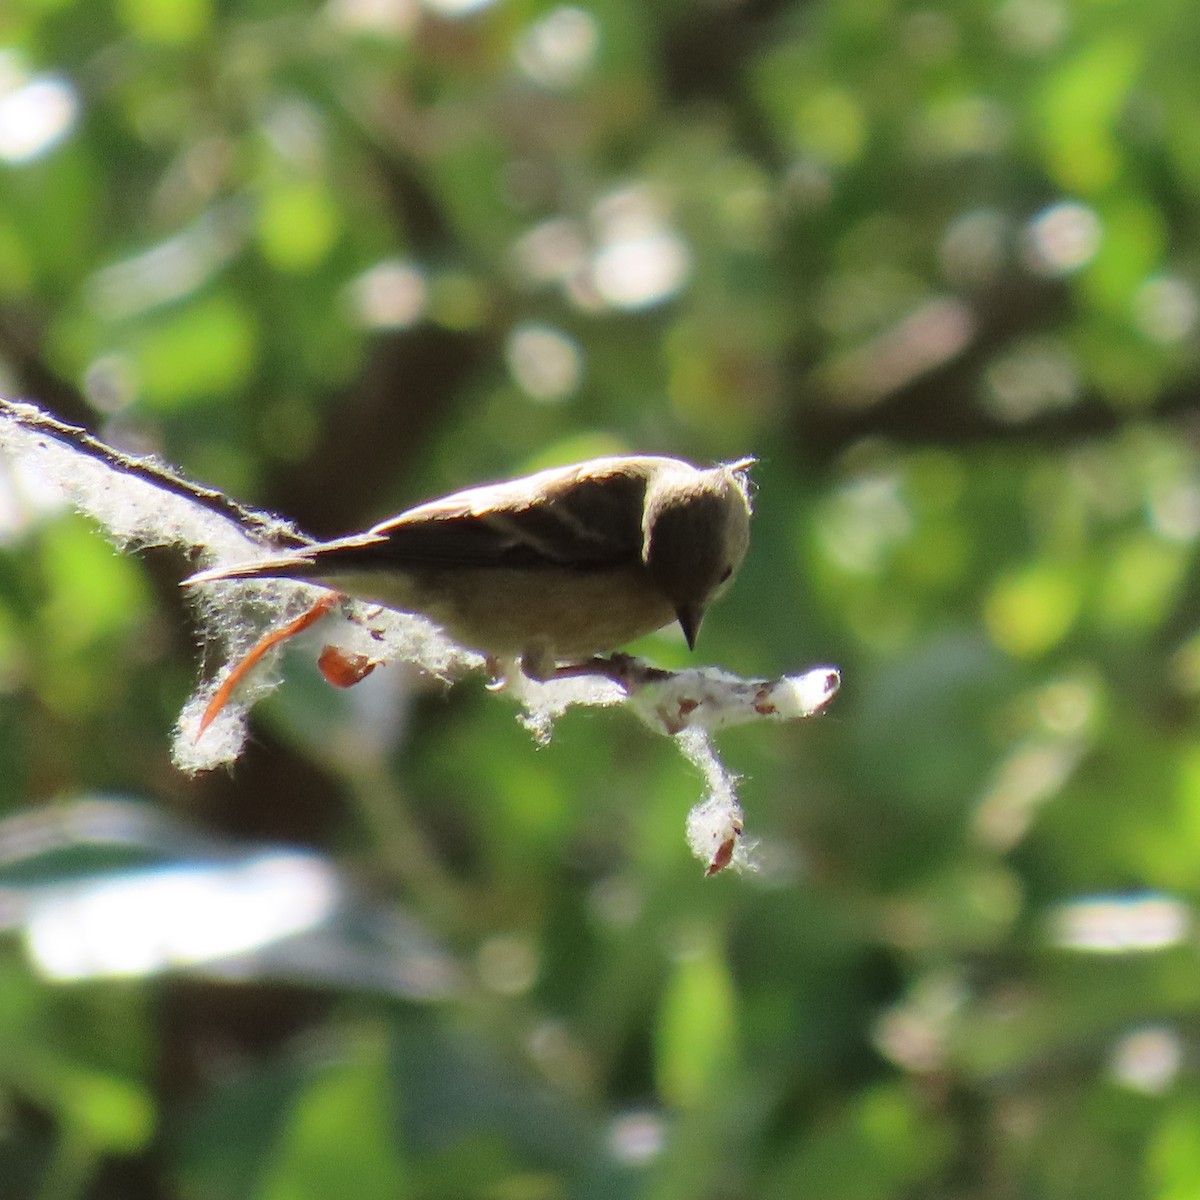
x=552, y=569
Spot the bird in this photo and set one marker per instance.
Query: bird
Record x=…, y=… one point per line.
x=550, y=570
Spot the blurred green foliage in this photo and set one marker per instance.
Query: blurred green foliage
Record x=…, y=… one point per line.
x=937, y=265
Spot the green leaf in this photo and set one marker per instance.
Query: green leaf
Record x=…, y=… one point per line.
x=879, y=1148
x=205, y=349
x=166, y=22
x=1080, y=108
x=298, y=224
x=1032, y=609
x=696, y=1040
x=113, y=1115
x=348, y=1104
x=93, y=591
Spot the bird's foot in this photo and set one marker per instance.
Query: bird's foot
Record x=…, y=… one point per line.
x=623, y=669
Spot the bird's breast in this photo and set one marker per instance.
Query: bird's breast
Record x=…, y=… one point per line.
x=566, y=614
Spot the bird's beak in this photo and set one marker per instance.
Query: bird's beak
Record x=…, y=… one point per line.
x=690, y=616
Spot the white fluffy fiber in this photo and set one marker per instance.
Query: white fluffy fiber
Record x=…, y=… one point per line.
x=232, y=616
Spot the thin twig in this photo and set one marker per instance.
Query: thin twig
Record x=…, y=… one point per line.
x=259, y=527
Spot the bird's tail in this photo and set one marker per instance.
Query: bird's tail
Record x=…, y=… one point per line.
x=289, y=566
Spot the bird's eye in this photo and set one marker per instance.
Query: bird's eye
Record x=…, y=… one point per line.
x=725, y=574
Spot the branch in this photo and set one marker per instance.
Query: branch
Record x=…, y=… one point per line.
x=940, y=402
x=141, y=503
x=257, y=527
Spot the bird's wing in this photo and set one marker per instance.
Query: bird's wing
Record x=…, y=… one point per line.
x=584, y=516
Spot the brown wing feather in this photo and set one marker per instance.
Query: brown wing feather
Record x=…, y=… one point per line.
x=584, y=517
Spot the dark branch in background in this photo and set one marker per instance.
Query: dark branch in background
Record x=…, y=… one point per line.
x=376, y=430
x=373, y=430
x=410, y=381
x=21, y=338
x=257, y=526
x=943, y=406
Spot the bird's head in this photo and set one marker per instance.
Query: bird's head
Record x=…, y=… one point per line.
x=696, y=530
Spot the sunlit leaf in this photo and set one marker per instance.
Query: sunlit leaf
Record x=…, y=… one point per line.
x=1031, y=610
x=92, y=592
x=1080, y=108
x=204, y=350
x=873, y=1150
x=346, y=1104
x=697, y=1034
x=298, y=224
x=168, y=22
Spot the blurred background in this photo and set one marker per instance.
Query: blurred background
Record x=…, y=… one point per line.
x=937, y=266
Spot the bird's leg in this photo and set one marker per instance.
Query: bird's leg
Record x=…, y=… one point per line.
x=538, y=664
x=254, y=655
x=622, y=669
x=588, y=666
